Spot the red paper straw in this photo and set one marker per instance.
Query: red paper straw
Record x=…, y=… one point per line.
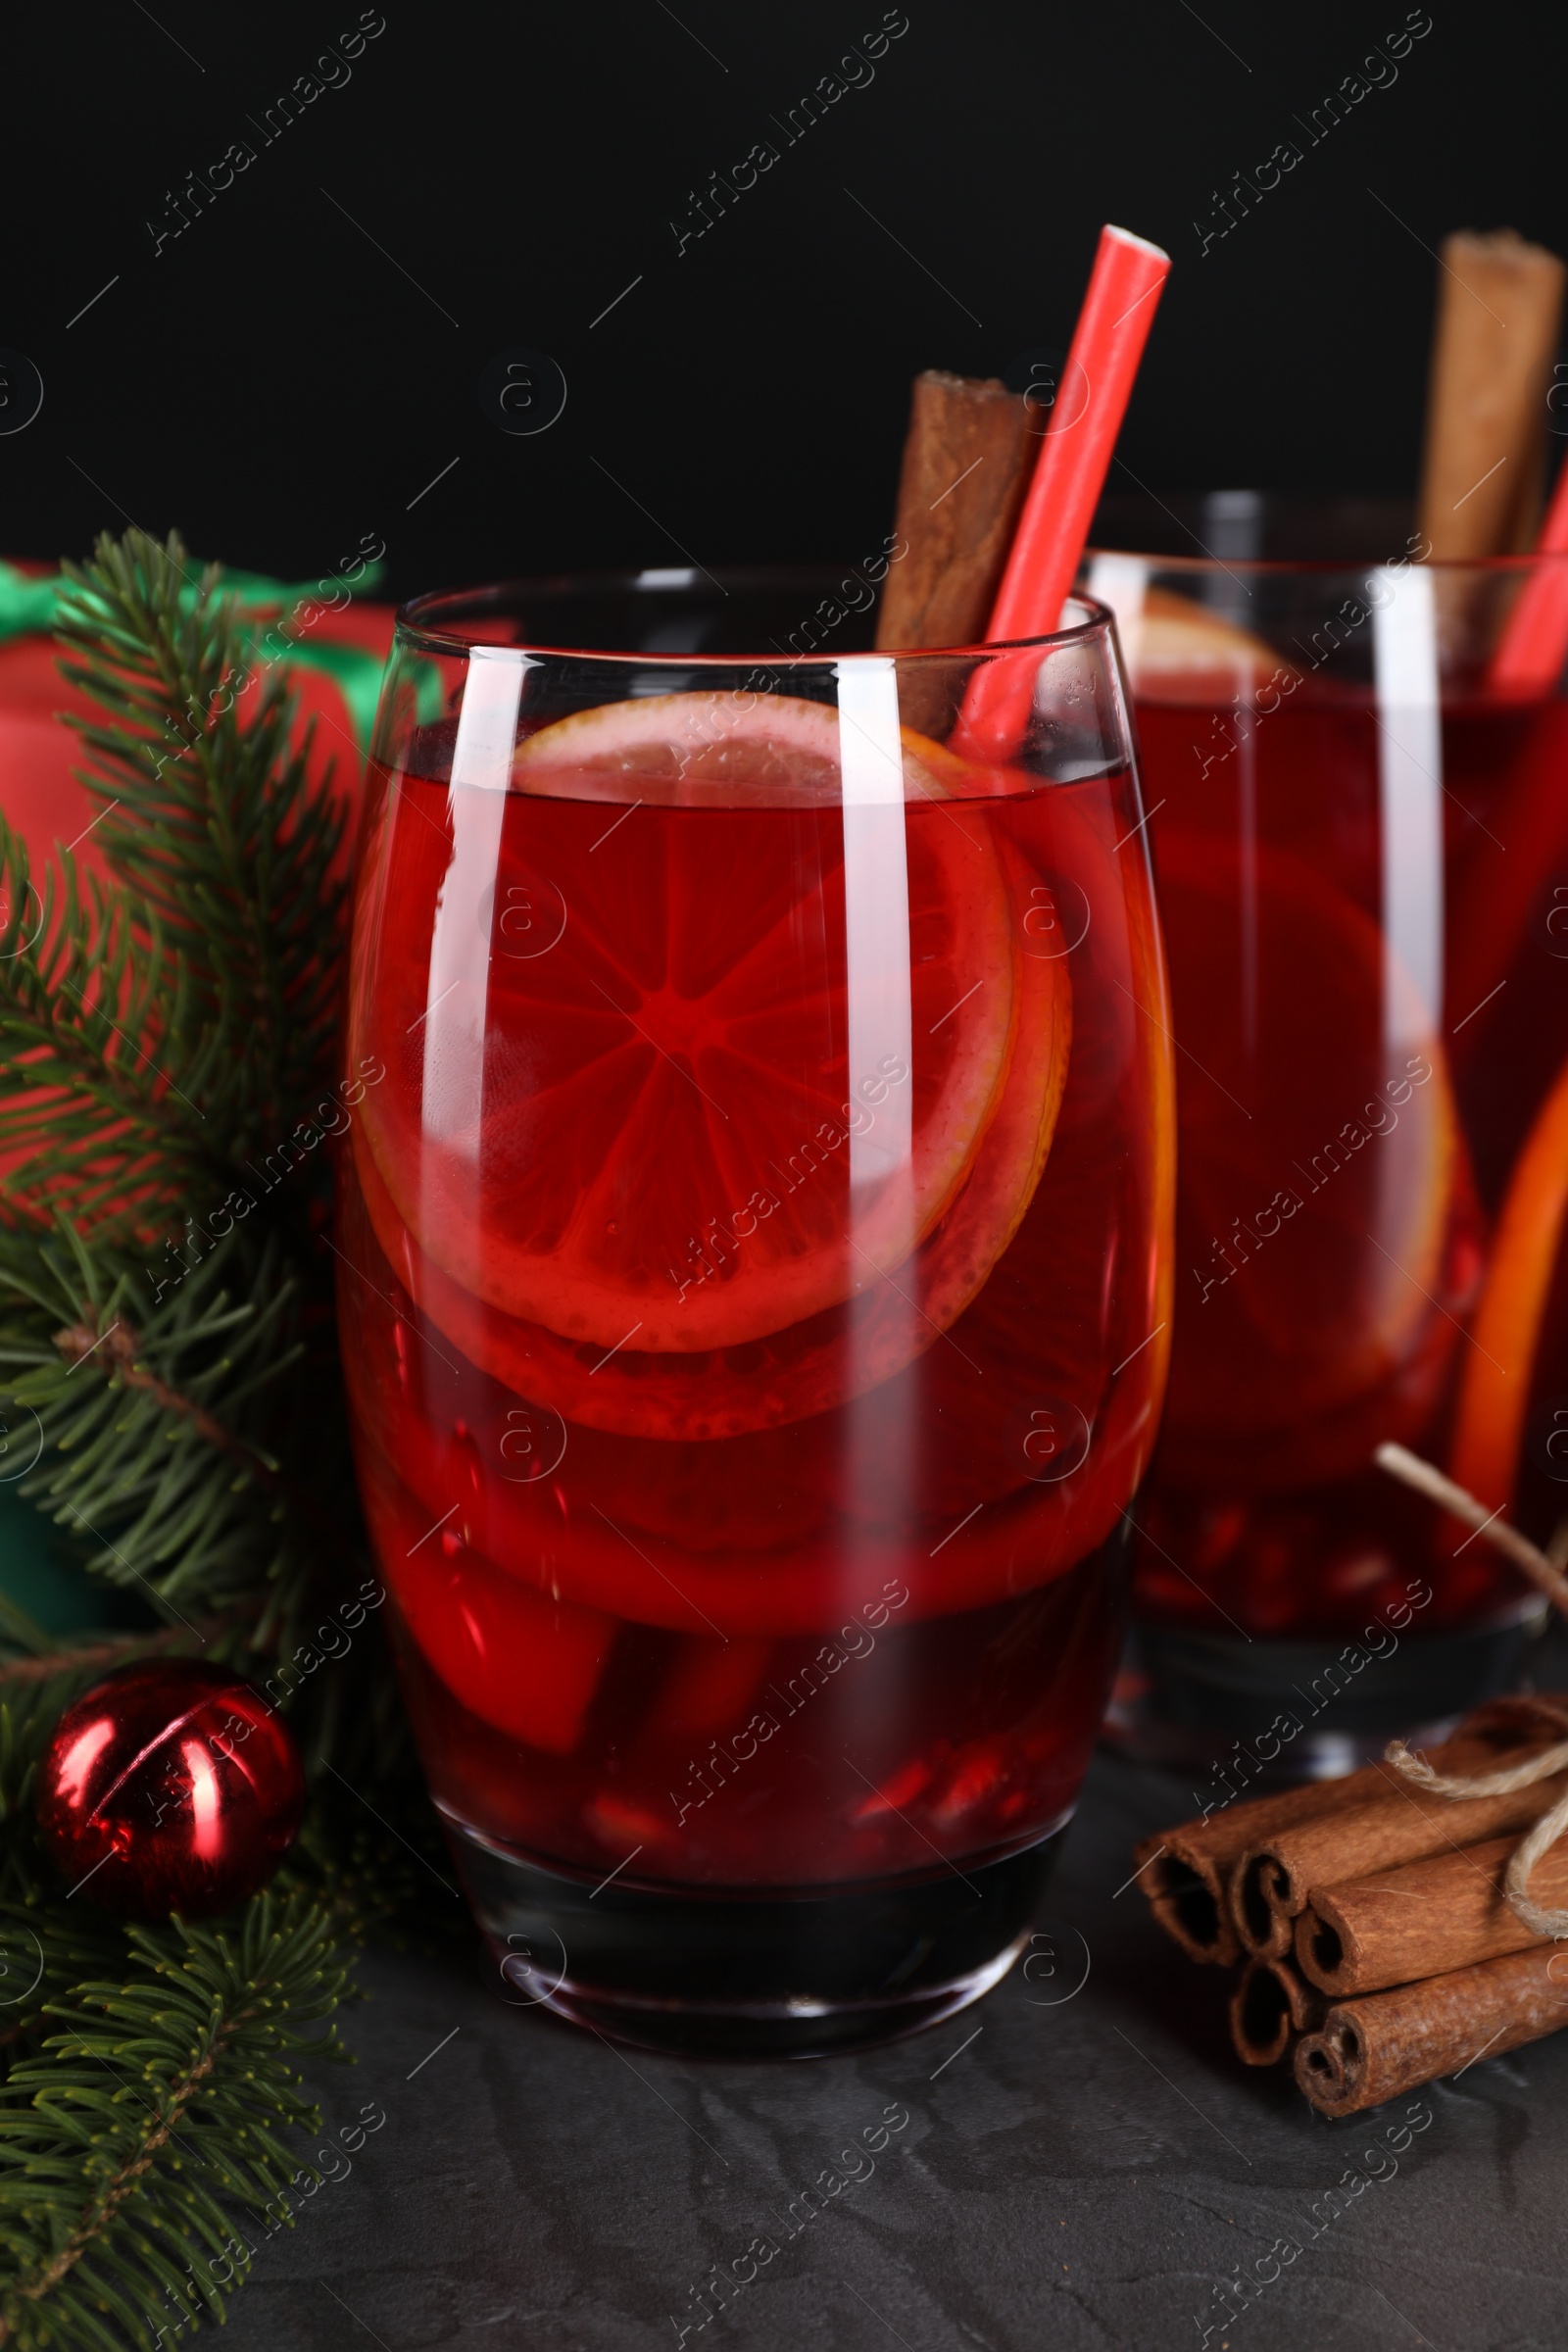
x=1535, y=644
x=1069, y=475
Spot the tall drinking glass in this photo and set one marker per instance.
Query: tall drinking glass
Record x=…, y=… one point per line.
x=755, y=1243
x=1356, y=832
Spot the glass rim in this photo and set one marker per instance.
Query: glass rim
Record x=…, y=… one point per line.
x=413, y=629
x=1302, y=567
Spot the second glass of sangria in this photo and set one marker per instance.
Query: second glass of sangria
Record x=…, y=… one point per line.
x=1358, y=825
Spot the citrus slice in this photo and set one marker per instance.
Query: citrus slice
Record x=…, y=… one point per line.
x=842, y=1350
x=1177, y=652
x=581, y=1569
x=1319, y=1167
x=1494, y=1394
x=690, y=750
x=641, y=1132
x=525, y=1662
x=1496, y=896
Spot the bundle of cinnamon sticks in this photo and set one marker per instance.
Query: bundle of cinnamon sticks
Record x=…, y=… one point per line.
x=1377, y=1945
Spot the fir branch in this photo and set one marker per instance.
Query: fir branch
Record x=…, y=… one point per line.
x=156, y=1035
x=122, y=1360
x=19, y=1631
x=45, y=1951
x=136, y=1466
x=27, y=1719
x=101, y=1657
x=211, y=822
x=160, y=2097
x=90, y=1122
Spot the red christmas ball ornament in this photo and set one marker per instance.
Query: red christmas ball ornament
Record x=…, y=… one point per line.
x=170, y=1786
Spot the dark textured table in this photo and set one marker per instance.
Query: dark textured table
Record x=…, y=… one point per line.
x=1080, y=2166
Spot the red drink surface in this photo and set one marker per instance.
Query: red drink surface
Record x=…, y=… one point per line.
x=825, y=1585
x=1330, y=1230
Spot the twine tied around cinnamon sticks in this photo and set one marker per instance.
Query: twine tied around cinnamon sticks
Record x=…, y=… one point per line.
x=1412, y=1471
x=1535, y=1843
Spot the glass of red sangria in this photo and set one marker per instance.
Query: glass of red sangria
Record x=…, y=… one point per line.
x=1358, y=819
x=755, y=1243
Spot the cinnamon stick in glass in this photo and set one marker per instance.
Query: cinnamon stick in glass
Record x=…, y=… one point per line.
x=1271, y=2005
x=1499, y=303
x=967, y=458
x=1447, y=1912
x=1186, y=1872
x=1398, y=1824
x=1369, y=2051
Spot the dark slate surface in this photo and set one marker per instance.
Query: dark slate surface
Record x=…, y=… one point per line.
x=1084, y=2173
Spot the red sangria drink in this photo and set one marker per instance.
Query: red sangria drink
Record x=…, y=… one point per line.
x=1355, y=835
x=755, y=1243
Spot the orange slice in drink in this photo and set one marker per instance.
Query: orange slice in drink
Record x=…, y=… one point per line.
x=691, y=750
x=1318, y=1163
x=527, y=1663
x=1178, y=652
x=1494, y=1394
x=812, y=1364
x=639, y=1135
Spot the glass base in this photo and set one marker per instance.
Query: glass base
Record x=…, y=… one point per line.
x=1186, y=1700
x=798, y=1972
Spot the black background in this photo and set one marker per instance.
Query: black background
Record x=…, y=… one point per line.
x=282, y=379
